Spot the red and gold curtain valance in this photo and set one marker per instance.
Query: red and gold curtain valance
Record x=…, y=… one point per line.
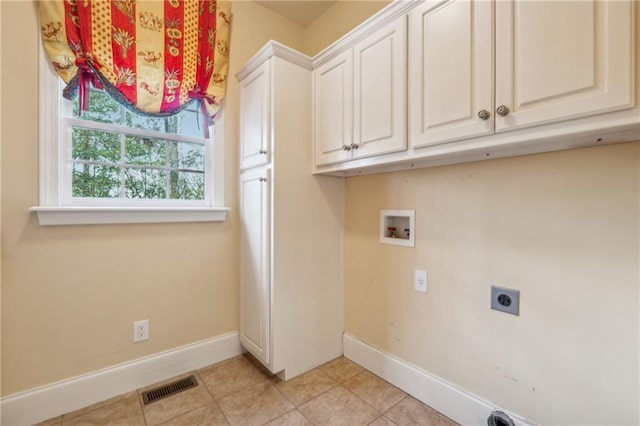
x=154, y=56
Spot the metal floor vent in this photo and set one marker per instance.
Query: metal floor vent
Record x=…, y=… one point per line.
x=169, y=389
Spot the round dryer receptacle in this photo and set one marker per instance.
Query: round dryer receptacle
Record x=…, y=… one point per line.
x=499, y=418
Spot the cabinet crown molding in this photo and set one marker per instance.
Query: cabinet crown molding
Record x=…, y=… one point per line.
x=269, y=50
x=274, y=48
x=387, y=14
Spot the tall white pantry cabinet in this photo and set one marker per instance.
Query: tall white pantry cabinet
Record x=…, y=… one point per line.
x=291, y=294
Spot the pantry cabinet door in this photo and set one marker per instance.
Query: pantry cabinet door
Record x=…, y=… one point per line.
x=254, y=274
x=557, y=60
x=450, y=71
x=255, y=117
x=333, y=109
x=380, y=91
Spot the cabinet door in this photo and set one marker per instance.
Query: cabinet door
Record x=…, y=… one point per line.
x=557, y=60
x=254, y=274
x=450, y=71
x=380, y=91
x=333, y=109
x=255, y=117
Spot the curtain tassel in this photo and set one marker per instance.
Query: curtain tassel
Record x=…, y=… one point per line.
x=85, y=78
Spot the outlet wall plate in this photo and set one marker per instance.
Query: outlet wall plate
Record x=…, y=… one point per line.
x=505, y=300
x=140, y=331
x=420, y=281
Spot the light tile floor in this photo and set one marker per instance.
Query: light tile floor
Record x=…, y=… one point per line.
x=238, y=392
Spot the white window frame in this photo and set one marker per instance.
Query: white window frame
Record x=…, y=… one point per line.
x=57, y=207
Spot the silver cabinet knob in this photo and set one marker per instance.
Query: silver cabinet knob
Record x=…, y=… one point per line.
x=503, y=110
x=346, y=147
x=484, y=114
x=262, y=151
x=355, y=146
x=263, y=179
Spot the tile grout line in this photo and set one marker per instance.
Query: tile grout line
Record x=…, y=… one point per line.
x=395, y=387
x=144, y=417
x=337, y=383
x=389, y=409
x=378, y=418
x=215, y=401
x=320, y=394
x=264, y=381
x=285, y=396
x=62, y=417
x=358, y=396
x=295, y=407
x=303, y=415
x=241, y=390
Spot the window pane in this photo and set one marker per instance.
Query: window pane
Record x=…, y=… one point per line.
x=102, y=108
x=145, y=183
x=187, y=186
x=110, y=162
x=93, y=145
x=146, y=151
x=184, y=155
x=186, y=123
x=158, y=124
x=190, y=122
x=96, y=181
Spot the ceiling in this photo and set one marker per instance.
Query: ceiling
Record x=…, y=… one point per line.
x=302, y=12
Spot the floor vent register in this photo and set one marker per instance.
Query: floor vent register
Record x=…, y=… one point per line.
x=169, y=389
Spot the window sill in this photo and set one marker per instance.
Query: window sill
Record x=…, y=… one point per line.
x=104, y=215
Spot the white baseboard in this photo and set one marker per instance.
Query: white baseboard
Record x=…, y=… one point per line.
x=52, y=400
x=452, y=401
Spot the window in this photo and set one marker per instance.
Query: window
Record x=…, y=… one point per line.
x=111, y=165
x=117, y=154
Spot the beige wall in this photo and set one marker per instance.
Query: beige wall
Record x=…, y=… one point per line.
x=338, y=20
x=71, y=294
x=560, y=227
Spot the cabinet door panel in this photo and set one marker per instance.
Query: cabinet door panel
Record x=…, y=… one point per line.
x=450, y=71
x=254, y=279
x=255, y=117
x=380, y=91
x=333, y=109
x=562, y=59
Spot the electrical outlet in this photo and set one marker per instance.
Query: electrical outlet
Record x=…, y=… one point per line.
x=140, y=331
x=420, y=281
x=505, y=300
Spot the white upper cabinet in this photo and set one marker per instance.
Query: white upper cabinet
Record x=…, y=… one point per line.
x=562, y=59
x=481, y=79
x=554, y=61
x=359, y=98
x=451, y=71
x=333, y=113
x=379, y=63
x=255, y=117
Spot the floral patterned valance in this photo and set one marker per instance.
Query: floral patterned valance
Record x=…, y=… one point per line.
x=154, y=56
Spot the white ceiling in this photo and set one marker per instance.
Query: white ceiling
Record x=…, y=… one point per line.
x=302, y=12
